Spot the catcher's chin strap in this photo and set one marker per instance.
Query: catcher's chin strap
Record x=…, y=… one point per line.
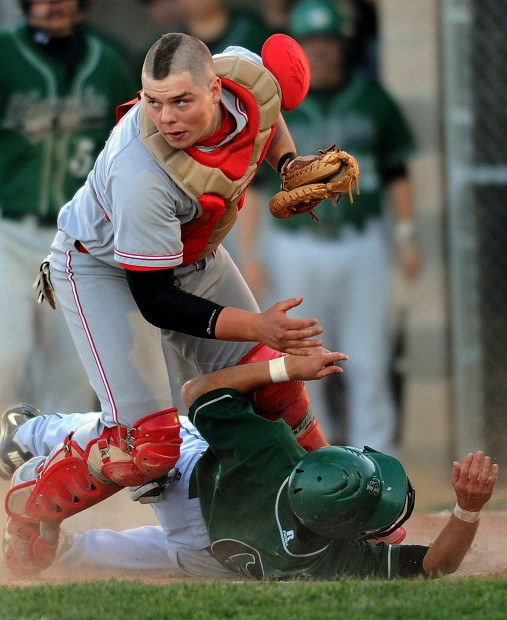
x=288, y=400
x=75, y=479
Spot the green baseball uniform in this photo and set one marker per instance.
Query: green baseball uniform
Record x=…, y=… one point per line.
x=52, y=126
x=225, y=514
x=58, y=99
x=364, y=120
x=241, y=481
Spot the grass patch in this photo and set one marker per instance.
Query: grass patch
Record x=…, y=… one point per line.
x=466, y=598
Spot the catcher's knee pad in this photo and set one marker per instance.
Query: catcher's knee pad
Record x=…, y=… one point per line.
x=134, y=456
x=288, y=400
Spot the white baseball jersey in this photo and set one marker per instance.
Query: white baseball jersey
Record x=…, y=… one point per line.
x=129, y=213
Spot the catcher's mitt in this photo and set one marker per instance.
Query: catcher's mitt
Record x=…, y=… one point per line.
x=308, y=180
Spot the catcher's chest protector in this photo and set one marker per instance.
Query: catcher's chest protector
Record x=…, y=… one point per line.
x=219, y=179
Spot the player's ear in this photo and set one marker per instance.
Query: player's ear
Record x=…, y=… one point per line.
x=216, y=89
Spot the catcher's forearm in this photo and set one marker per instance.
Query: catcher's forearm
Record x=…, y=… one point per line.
x=236, y=325
x=281, y=144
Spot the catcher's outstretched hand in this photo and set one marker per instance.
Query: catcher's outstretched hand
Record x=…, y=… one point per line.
x=309, y=179
x=285, y=334
x=474, y=480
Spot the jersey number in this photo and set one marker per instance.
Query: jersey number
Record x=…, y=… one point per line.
x=83, y=158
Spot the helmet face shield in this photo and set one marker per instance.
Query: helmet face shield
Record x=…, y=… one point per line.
x=387, y=530
x=346, y=493
x=397, y=499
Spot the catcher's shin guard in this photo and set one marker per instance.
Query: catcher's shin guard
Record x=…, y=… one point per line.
x=134, y=456
x=37, y=507
x=288, y=400
x=74, y=480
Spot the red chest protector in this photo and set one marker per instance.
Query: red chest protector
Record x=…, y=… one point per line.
x=218, y=179
x=233, y=159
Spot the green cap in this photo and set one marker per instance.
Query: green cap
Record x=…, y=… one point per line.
x=315, y=17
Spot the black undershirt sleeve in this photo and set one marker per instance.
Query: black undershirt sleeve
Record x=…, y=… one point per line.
x=411, y=561
x=165, y=305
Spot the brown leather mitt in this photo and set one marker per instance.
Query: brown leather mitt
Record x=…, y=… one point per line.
x=309, y=179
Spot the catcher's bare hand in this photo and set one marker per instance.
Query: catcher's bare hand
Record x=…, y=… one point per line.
x=282, y=333
x=474, y=480
x=317, y=364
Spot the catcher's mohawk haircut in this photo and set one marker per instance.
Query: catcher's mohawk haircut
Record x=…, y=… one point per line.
x=175, y=53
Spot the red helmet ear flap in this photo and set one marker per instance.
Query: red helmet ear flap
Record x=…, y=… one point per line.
x=287, y=61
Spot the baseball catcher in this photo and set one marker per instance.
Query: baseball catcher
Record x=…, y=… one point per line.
x=309, y=179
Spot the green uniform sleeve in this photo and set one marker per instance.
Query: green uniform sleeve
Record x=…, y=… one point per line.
x=229, y=424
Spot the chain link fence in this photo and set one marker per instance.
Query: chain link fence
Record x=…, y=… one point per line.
x=474, y=83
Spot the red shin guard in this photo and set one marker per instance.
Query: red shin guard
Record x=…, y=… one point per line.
x=74, y=480
x=28, y=551
x=134, y=456
x=288, y=400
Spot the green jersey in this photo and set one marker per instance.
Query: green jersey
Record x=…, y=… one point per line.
x=364, y=120
x=52, y=126
x=241, y=481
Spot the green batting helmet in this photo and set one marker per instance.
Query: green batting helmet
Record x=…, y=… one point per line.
x=311, y=18
x=346, y=493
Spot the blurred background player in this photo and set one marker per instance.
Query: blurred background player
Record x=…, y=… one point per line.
x=360, y=26
x=59, y=88
x=342, y=262
x=216, y=23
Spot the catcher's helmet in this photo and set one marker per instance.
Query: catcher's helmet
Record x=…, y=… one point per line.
x=311, y=18
x=346, y=493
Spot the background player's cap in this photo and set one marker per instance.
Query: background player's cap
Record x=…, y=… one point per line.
x=311, y=18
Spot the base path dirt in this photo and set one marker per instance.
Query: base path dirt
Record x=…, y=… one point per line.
x=487, y=557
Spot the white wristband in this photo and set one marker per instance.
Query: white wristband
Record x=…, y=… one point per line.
x=466, y=515
x=404, y=231
x=277, y=370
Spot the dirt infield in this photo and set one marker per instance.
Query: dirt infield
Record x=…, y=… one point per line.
x=488, y=555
